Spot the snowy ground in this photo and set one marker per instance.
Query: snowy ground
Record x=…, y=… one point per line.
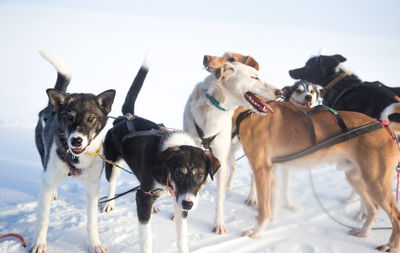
x=105, y=47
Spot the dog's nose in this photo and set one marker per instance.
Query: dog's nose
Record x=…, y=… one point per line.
x=206, y=59
x=278, y=92
x=308, y=98
x=76, y=141
x=187, y=205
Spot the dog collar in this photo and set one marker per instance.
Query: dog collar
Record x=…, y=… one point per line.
x=215, y=102
x=336, y=80
x=95, y=153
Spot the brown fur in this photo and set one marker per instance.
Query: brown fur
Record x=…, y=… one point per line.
x=214, y=62
x=368, y=160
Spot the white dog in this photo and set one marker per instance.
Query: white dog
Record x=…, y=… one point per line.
x=209, y=110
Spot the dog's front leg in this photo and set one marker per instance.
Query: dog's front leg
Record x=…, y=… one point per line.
x=181, y=229
x=262, y=177
x=48, y=186
x=144, y=203
x=92, y=197
x=220, y=148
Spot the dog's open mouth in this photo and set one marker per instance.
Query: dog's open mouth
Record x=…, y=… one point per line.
x=257, y=102
x=78, y=151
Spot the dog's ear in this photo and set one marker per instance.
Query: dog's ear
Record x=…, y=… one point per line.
x=286, y=91
x=212, y=164
x=57, y=98
x=225, y=71
x=106, y=99
x=168, y=154
x=252, y=63
x=339, y=58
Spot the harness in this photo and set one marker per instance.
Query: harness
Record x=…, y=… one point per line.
x=243, y=115
x=205, y=142
x=374, y=85
x=346, y=134
x=159, y=130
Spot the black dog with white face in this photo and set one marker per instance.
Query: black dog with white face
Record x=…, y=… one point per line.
x=69, y=130
x=165, y=163
x=345, y=91
x=302, y=93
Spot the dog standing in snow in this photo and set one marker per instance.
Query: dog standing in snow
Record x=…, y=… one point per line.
x=68, y=134
x=209, y=110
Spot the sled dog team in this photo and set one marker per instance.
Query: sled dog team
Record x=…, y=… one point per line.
x=231, y=107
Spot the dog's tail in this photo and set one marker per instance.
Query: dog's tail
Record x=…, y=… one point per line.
x=129, y=104
x=63, y=71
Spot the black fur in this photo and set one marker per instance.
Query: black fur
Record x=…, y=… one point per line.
x=185, y=168
x=350, y=93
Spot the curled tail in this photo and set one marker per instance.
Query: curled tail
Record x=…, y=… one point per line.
x=63, y=71
x=129, y=104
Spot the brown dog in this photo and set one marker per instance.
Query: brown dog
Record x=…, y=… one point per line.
x=369, y=164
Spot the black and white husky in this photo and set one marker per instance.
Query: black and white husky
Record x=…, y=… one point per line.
x=68, y=134
x=165, y=162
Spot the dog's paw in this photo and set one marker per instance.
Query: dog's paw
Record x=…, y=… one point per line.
x=219, y=229
x=108, y=207
x=155, y=209
x=39, y=248
x=387, y=248
x=98, y=249
x=252, y=234
x=251, y=202
x=229, y=188
x=358, y=232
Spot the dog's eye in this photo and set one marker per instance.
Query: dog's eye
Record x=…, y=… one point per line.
x=298, y=91
x=91, y=118
x=255, y=77
x=198, y=177
x=312, y=91
x=179, y=174
x=70, y=117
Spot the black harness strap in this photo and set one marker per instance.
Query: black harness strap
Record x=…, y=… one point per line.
x=239, y=120
x=321, y=108
x=352, y=133
x=206, y=142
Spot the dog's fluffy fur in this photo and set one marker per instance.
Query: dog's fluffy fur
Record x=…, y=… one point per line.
x=161, y=161
x=269, y=136
x=229, y=84
x=68, y=128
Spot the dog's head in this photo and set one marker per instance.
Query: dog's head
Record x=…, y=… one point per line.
x=211, y=63
x=303, y=93
x=188, y=168
x=318, y=68
x=243, y=86
x=81, y=116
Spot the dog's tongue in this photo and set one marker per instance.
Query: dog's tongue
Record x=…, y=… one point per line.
x=78, y=150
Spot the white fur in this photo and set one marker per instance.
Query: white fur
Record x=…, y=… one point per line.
x=146, y=61
x=181, y=230
x=146, y=241
x=55, y=173
x=229, y=90
x=178, y=139
x=61, y=66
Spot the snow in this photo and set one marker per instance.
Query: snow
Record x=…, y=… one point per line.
x=105, y=45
